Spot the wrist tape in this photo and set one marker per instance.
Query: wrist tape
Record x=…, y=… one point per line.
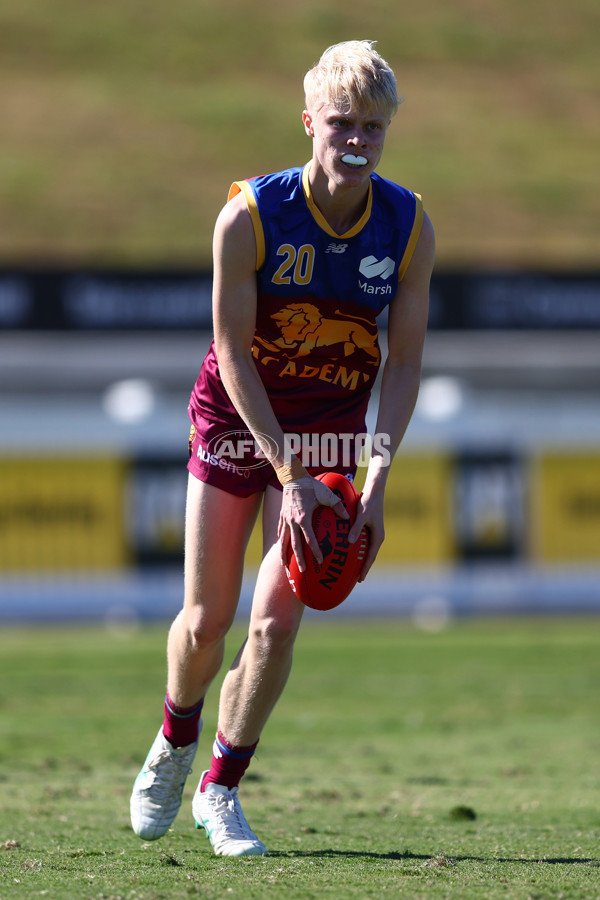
x=290, y=472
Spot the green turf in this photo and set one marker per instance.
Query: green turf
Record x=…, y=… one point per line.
x=123, y=124
x=399, y=763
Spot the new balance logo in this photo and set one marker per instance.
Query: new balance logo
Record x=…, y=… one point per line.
x=336, y=248
x=371, y=267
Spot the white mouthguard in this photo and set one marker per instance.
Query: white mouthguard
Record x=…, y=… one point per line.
x=354, y=160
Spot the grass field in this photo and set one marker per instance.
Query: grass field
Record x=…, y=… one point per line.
x=399, y=763
x=124, y=124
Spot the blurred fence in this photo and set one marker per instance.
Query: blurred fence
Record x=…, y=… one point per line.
x=493, y=503
x=63, y=300
x=97, y=513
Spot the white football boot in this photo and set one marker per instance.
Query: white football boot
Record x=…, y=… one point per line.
x=218, y=811
x=156, y=795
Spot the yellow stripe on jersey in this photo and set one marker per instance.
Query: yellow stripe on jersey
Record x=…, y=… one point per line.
x=259, y=233
x=320, y=218
x=414, y=237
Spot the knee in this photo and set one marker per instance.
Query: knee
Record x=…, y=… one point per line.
x=272, y=636
x=205, y=630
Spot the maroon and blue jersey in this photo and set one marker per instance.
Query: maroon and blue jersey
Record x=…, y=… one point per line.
x=316, y=343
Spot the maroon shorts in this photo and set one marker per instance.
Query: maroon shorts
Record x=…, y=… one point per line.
x=231, y=460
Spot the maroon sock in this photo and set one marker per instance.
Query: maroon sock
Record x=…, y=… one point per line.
x=228, y=763
x=181, y=724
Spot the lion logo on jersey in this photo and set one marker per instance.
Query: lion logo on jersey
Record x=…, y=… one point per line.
x=303, y=329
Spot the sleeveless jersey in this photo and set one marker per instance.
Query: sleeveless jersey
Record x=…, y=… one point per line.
x=316, y=346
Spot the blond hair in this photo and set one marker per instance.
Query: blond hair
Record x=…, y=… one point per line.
x=352, y=74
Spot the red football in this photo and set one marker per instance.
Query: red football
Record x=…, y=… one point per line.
x=327, y=585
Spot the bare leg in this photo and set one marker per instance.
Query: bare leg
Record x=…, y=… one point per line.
x=261, y=669
x=218, y=526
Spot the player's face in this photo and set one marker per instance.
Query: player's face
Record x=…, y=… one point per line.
x=346, y=145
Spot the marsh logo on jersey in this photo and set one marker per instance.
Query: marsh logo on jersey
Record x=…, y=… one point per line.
x=372, y=268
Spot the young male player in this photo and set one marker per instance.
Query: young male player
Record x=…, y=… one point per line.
x=304, y=260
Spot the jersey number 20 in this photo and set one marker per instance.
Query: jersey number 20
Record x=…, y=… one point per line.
x=301, y=261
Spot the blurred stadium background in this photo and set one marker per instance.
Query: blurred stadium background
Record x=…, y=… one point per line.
x=122, y=128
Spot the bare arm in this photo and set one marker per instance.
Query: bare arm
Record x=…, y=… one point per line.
x=234, y=315
x=234, y=312
x=399, y=387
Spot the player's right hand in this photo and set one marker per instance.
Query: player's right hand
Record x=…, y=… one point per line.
x=300, y=499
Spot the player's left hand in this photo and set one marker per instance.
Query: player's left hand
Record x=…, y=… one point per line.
x=370, y=514
x=300, y=499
